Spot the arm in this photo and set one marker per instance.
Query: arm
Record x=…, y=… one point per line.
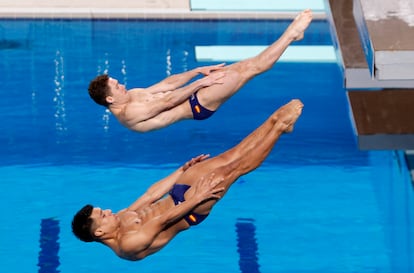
x=175, y=81
x=163, y=186
x=143, y=240
x=153, y=114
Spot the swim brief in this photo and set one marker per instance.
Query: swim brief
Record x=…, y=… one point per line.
x=199, y=111
x=177, y=194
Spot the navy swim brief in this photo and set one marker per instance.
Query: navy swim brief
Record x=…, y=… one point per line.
x=199, y=111
x=177, y=194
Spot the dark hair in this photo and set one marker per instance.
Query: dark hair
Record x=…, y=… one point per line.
x=81, y=224
x=99, y=89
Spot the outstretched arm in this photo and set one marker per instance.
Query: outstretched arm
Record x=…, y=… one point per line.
x=173, y=82
x=163, y=186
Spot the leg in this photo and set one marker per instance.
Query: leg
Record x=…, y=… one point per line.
x=239, y=73
x=246, y=156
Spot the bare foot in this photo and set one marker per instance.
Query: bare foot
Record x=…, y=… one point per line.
x=297, y=28
x=288, y=114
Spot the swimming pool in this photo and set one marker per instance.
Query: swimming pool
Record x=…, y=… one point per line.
x=316, y=205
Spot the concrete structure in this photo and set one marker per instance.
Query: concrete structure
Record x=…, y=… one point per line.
x=376, y=54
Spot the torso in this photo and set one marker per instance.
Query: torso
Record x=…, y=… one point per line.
x=132, y=221
x=137, y=106
x=140, y=105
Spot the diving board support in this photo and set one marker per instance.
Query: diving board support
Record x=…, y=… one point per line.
x=383, y=120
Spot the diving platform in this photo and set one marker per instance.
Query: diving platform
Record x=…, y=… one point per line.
x=373, y=54
x=374, y=42
x=383, y=119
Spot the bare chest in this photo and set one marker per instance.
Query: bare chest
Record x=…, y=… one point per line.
x=133, y=220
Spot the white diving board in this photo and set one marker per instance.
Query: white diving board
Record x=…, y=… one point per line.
x=311, y=54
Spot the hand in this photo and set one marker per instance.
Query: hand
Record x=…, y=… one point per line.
x=206, y=70
x=213, y=78
x=194, y=161
x=205, y=188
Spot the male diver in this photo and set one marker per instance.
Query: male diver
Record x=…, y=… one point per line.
x=171, y=100
x=185, y=197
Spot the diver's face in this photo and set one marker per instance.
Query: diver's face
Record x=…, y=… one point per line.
x=104, y=221
x=115, y=87
x=118, y=92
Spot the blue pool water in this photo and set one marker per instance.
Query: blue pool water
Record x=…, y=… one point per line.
x=316, y=205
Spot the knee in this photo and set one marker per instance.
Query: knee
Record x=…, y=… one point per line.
x=254, y=66
x=231, y=170
x=262, y=65
x=225, y=170
x=239, y=75
x=234, y=75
